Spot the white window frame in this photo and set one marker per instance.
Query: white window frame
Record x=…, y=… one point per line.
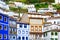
x=6, y=36
x=6, y=27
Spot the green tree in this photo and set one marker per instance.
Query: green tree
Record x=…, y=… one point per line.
x=33, y=1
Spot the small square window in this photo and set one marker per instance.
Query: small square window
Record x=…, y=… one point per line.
x=0, y=17
x=21, y=26
x=5, y=27
x=5, y=36
x=52, y=33
x=5, y=19
x=25, y=26
x=0, y=27
x=13, y=37
x=56, y=33
x=26, y=38
x=0, y=36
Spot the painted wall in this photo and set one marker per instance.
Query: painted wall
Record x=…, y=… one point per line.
x=12, y=29
x=22, y=31
x=4, y=26
x=52, y=20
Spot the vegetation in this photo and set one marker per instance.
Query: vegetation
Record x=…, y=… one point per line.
x=57, y=6
x=41, y=5
x=18, y=10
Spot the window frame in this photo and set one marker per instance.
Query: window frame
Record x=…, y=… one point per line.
x=21, y=25
x=1, y=27
x=14, y=36
x=52, y=38
x=1, y=36
x=19, y=38
x=23, y=38
x=6, y=36
x=5, y=20
x=2, y=17
x=52, y=33
x=25, y=26
x=56, y=33
x=56, y=38
x=26, y=38
x=6, y=27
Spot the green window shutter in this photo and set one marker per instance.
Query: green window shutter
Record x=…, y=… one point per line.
x=56, y=33
x=52, y=38
x=52, y=33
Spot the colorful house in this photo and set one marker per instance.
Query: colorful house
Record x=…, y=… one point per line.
x=22, y=31
x=12, y=29
x=4, y=26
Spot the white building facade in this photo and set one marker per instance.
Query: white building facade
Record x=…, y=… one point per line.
x=52, y=31
x=22, y=31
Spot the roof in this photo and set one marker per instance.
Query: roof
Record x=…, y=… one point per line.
x=58, y=11
x=24, y=18
x=58, y=17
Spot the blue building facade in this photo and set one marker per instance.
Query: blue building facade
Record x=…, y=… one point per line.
x=12, y=29
x=22, y=31
x=4, y=26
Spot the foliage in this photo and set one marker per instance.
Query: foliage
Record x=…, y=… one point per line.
x=57, y=6
x=18, y=10
x=45, y=5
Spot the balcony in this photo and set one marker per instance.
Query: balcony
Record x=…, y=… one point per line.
x=51, y=27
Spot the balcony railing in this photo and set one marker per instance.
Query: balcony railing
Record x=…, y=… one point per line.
x=51, y=27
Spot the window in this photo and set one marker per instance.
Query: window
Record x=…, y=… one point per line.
x=20, y=25
x=10, y=30
x=54, y=22
x=5, y=19
x=56, y=33
x=26, y=38
x=36, y=28
x=52, y=38
x=19, y=38
x=23, y=38
x=5, y=27
x=52, y=33
x=25, y=26
x=0, y=17
x=0, y=36
x=46, y=33
x=5, y=36
x=0, y=27
x=40, y=28
x=56, y=38
x=13, y=37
